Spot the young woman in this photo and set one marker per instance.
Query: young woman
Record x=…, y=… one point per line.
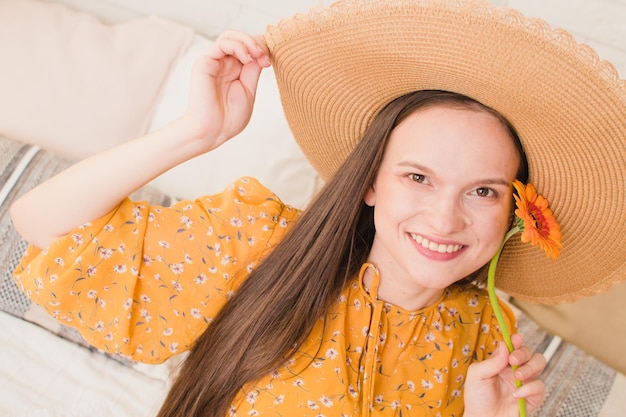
x=365, y=303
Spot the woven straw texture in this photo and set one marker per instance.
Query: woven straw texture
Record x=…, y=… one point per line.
x=336, y=67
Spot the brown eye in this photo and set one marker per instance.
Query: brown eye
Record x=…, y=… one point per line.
x=484, y=192
x=417, y=177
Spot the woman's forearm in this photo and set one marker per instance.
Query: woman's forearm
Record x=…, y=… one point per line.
x=92, y=187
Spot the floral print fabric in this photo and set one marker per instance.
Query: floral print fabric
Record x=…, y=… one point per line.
x=374, y=358
x=145, y=281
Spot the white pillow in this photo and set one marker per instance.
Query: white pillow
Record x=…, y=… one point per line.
x=265, y=150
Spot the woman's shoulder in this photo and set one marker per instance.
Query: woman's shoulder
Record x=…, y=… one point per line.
x=467, y=297
x=463, y=292
x=249, y=191
x=474, y=300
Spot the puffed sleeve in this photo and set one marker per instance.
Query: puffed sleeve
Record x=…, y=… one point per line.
x=145, y=281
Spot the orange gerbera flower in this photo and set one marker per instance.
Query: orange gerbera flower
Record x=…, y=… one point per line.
x=536, y=220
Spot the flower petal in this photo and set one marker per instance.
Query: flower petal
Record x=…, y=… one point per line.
x=538, y=224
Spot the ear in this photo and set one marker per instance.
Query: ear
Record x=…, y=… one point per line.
x=370, y=197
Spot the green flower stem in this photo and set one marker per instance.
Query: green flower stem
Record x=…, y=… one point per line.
x=491, y=287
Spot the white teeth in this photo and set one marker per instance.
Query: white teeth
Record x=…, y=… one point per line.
x=435, y=247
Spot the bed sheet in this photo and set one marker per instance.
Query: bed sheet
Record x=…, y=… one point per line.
x=43, y=375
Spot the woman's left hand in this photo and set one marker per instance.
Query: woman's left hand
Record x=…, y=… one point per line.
x=490, y=388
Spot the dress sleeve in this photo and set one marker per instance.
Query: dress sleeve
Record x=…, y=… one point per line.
x=145, y=281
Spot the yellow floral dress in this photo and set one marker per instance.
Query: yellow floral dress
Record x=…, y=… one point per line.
x=145, y=282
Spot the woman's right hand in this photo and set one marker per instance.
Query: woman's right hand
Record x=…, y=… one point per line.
x=223, y=87
x=490, y=388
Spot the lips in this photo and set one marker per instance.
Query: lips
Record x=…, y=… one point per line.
x=434, y=246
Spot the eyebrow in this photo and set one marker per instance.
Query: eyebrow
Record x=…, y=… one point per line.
x=488, y=181
x=415, y=165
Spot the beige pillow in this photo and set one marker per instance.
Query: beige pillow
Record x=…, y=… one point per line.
x=595, y=324
x=75, y=85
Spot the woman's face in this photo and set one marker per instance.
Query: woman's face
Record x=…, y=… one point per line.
x=442, y=201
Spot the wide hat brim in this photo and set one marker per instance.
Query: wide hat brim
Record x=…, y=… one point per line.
x=336, y=67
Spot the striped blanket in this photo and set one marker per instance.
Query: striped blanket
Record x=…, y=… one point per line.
x=22, y=167
x=577, y=385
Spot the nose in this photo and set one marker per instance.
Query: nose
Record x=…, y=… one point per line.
x=447, y=215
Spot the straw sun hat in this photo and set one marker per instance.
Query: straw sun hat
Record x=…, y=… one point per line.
x=336, y=67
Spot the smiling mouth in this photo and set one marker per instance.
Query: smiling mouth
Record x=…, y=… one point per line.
x=435, y=247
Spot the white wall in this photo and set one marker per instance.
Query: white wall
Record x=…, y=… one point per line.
x=600, y=23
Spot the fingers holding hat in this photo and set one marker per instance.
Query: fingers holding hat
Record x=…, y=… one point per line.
x=223, y=87
x=243, y=46
x=250, y=50
x=236, y=56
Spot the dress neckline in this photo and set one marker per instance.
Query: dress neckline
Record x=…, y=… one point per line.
x=371, y=292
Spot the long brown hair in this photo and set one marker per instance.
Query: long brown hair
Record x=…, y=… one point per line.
x=277, y=306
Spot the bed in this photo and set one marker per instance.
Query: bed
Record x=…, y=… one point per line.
x=102, y=83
